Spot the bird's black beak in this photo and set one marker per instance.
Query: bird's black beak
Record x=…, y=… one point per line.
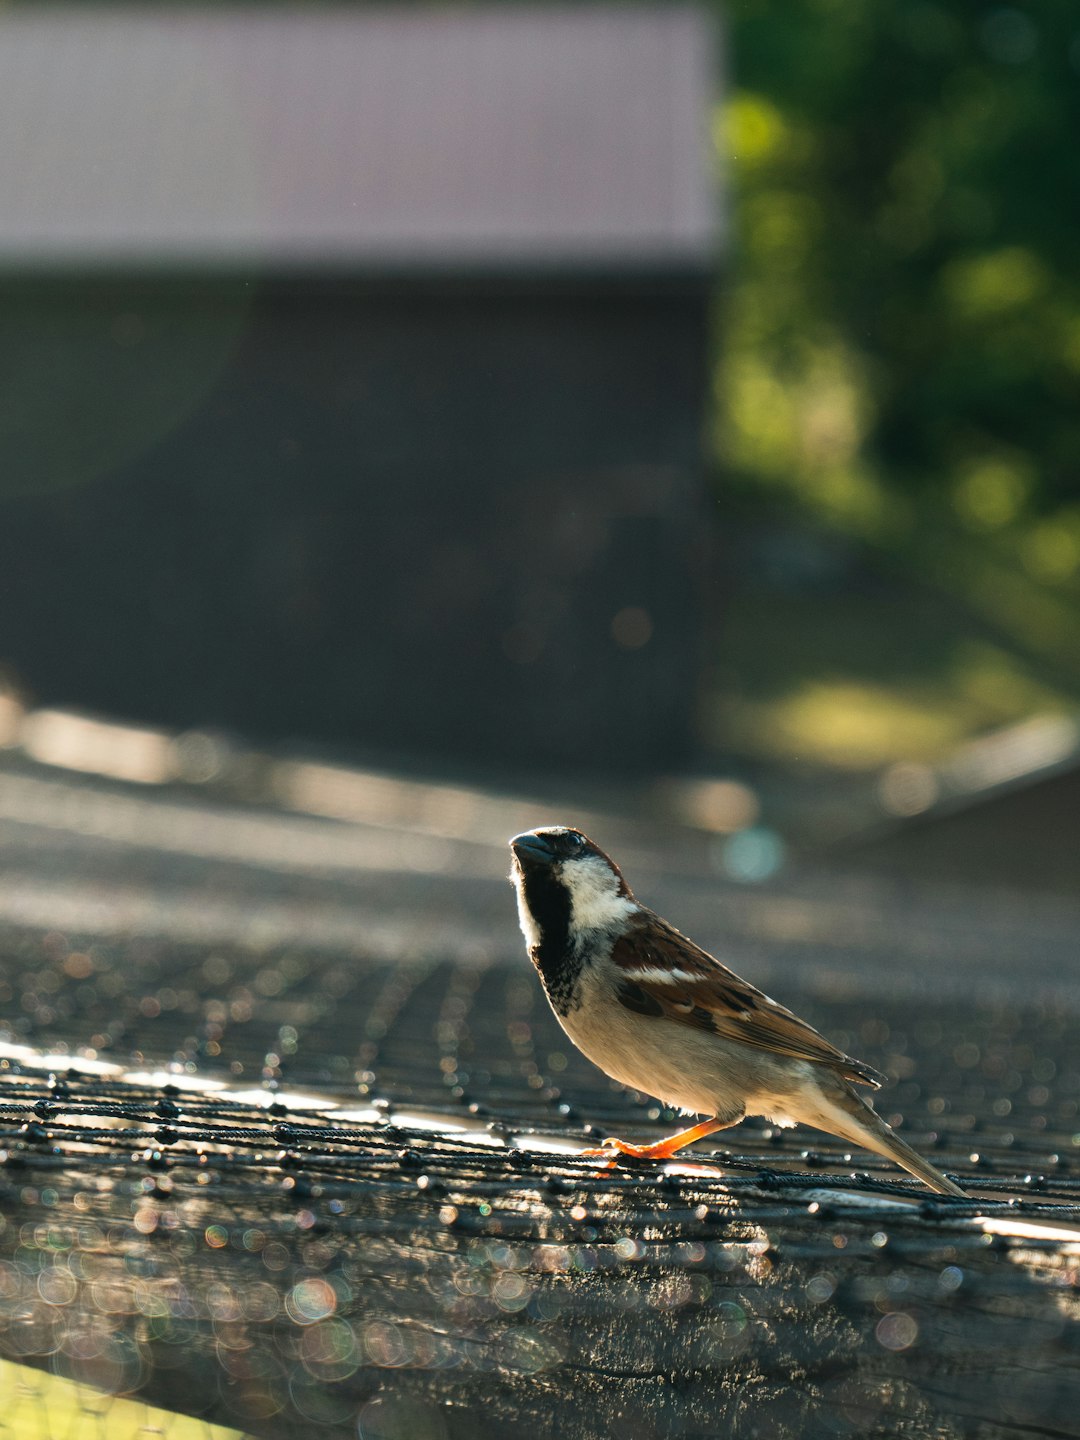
x=532, y=847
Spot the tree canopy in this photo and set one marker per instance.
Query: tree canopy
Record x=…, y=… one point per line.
x=899, y=343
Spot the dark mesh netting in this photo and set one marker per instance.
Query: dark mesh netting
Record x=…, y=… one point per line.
x=298, y=1183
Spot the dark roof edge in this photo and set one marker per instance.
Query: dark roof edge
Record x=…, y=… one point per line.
x=594, y=272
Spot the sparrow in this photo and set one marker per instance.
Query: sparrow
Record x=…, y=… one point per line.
x=659, y=1014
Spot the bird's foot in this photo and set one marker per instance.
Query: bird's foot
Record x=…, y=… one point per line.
x=613, y=1150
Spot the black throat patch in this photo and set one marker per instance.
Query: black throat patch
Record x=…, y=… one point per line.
x=549, y=903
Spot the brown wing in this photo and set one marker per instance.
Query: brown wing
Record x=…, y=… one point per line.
x=665, y=974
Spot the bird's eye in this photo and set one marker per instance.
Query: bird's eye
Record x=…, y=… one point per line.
x=576, y=840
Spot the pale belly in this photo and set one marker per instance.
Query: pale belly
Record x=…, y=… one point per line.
x=686, y=1068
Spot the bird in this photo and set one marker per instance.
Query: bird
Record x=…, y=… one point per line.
x=661, y=1015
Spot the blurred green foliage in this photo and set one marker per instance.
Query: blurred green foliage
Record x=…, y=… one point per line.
x=900, y=333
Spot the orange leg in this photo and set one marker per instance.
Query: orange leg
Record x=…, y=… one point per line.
x=663, y=1149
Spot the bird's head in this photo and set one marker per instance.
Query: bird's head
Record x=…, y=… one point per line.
x=566, y=887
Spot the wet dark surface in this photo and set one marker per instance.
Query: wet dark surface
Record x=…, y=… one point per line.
x=372, y=1223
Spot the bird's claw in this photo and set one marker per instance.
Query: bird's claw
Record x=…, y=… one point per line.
x=613, y=1151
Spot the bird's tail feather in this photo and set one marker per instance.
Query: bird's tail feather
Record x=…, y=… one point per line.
x=843, y=1112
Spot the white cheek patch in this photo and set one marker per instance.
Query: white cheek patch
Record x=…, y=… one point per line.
x=595, y=902
x=529, y=927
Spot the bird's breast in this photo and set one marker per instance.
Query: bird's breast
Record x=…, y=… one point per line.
x=685, y=1067
x=561, y=970
x=654, y=1056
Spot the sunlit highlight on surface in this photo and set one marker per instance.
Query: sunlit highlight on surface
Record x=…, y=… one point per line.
x=123, y=752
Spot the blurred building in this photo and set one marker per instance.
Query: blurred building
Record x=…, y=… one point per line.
x=355, y=365
x=1002, y=811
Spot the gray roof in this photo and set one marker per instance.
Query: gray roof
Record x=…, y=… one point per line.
x=509, y=137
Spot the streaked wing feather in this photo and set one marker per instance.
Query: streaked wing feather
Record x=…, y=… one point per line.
x=707, y=995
